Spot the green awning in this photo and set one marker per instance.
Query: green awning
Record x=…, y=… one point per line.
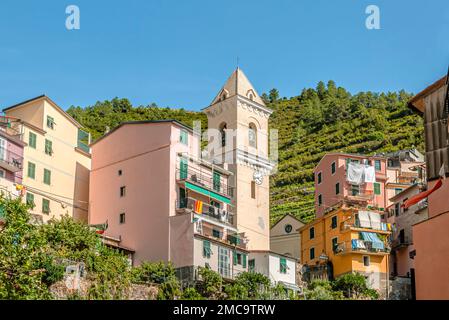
x=208, y=193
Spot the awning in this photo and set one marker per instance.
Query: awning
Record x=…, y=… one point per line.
x=420, y=196
x=374, y=239
x=208, y=193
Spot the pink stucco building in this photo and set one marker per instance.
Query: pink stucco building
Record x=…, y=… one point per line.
x=162, y=202
x=430, y=236
x=11, y=157
x=332, y=187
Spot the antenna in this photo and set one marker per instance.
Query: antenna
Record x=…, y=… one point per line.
x=238, y=61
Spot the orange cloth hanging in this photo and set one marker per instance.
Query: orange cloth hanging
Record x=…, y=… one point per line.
x=420, y=196
x=199, y=206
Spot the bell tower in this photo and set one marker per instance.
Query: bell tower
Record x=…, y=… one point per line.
x=240, y=118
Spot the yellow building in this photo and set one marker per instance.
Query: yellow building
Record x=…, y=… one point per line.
x=347, y=240
x=56, y=162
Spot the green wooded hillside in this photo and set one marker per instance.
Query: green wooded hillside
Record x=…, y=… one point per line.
x=320, y=120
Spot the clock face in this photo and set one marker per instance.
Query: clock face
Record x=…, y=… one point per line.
x=257, y=177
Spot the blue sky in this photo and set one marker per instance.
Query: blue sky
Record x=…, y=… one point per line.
x=179, y=53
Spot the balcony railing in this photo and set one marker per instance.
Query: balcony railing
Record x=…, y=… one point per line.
x=361, y=246
x=355, y=223
x=10, y=160
x=218, y=214
x=205, y=180
x=400, y=241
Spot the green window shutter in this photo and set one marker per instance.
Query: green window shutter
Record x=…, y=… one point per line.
x=235, y=257
x=50, y=122
x=377, y=165
x=376, y=188
x=48, y=147
x=45, y=206
x=47, y=176
x=184, y=169
x=183, y=137
x=31, y=170
x=206, y=248
x=244, y=260
x=32, y=140
x=216, y=181
x=30, y=199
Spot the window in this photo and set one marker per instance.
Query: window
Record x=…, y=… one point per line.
x=216, y=181
x=333, y=167
x=334, y=222
x=182, y=198
x=355, y=189
x=319, y=177
x=397, y=190
x=45, y=206
x=216, y=233
x=288, y=228
x=50, y=122
x=47, y=176
x=31, y=170
x=320, y=200
x=366, y=261
x=377, y=165
x=2, y=173
x=334, y=243
x=206, y=249
x=376, y=188
x=224, y=265
x=252, y=135
x=283, y=265
x=48, y=147
x=251, y=265
x=312, y=253
x=223, y=134
x=122, y=218
x=184, y=168
x=312, y=233
x=3, y=146
x=237, y=258
x=32, y=140
x=120, y=172
x=397, y=209
x=122, y=191
x=337, y=188
x=253, y=190
x=30, y=199
x=183, y=137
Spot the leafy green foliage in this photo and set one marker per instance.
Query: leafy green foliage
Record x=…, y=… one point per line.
x=354, y=286
x=211, y=283
x=190, y=293
x=256, y=284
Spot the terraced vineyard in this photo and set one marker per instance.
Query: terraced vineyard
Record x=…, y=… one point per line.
x=320, y=120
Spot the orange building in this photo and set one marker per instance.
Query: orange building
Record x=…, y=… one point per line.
x=347, y=240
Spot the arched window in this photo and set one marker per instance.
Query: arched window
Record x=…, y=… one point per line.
x=223, y=134
x=252, y=135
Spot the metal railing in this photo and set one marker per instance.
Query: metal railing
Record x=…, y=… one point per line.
x=361, y=246
x=217, y=214
x=205, y=180
x=355, y=223
x=13, y=161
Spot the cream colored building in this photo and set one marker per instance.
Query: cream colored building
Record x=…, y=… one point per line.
x=284, y=237
x=56, y=159
x=241, y=117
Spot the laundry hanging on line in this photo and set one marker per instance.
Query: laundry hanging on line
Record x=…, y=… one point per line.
x=358, y=173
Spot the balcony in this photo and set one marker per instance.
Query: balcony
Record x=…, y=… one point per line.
x=225, y=236
x=360, y=246
x=205, y=180
x=10, y=160
x=217, y=214
x=354, y=224
x=400, y=242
